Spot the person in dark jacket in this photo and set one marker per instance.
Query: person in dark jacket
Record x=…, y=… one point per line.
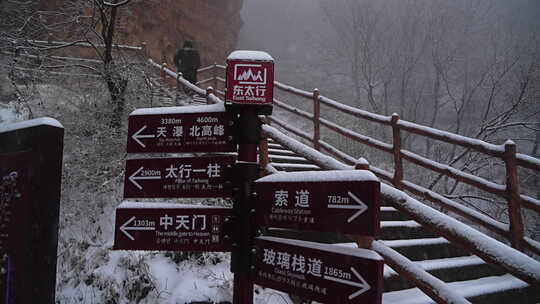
x=187, y=61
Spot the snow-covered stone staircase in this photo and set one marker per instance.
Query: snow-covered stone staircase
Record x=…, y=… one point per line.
x=169, y=96
x=467, y=274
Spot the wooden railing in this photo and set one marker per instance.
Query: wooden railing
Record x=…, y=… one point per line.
x=510, y=191
x=516, y=263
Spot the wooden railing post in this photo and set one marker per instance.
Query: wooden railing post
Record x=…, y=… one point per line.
x=513, y=196
x=264, y=159
x=143, y=50
x=396, y=150
x=209, y=91
x=316, y=120
x=178, y=85
x=215, y=76
x=163, y=74
x=362, y=241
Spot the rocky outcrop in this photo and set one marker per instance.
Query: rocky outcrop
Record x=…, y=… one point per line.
x=163, y=25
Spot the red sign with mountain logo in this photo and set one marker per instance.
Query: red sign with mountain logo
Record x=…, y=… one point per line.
x=250, y=78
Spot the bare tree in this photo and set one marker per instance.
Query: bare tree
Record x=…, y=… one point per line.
x=73, y=22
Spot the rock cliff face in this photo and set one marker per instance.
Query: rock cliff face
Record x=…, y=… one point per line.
x=213, y=25
x=164, y=25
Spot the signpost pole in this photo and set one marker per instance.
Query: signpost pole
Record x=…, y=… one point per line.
x=246, y=171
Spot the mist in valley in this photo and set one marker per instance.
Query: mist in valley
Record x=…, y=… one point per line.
x=470, y=67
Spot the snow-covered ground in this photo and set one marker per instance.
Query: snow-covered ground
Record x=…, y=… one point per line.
x=88, y=270
x=8, y=115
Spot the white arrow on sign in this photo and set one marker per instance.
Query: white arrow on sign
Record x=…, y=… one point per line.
x=137, y=135
x=363, y=284
x=361, y=206
x=133, y=178
x=125, y=229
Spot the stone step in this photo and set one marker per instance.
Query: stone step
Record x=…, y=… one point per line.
x=525, y=295
x=502, y=289
x=306, y=235
x=426, y=248
x=288, y=159
x=392, y=214
x=273, y=151
x=273, y=145
x=396, y=230
x=294, y=167
x=446, y=269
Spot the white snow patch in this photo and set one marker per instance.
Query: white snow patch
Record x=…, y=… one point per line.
x=321, y=176
x=294, y=166
x=218, y=107
x=357, y=252
x=47, y=121
x=416, y=242
x=455, y=138
x=157, y=205
x=187, y=282
x=527, y=158
x=250, y=55
x=8, y=115
x=504, y=255
x=393, y=224
x=450, y=262
x=466, y=289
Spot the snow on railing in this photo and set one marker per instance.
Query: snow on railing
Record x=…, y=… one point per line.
x=506, y=152
x=85, y=44
x=487, y=248
x=293, y=90
x=178, y=77
x=435, y=288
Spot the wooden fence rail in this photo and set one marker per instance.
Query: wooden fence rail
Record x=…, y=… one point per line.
x=510, y=191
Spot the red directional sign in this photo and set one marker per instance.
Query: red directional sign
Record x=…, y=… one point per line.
x=162, y=226
x=180, y=129
x=250, y=78
x=332, y=201
x=324, y=273
x=178, y=177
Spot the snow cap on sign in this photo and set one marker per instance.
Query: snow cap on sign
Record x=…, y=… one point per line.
x=250, y=55
x=218, y=107
x=161, y=205
x=321, y=176
x=47, y=121
x=357, y=252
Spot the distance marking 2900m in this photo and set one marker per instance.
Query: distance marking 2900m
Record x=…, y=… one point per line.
x=178, y=177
